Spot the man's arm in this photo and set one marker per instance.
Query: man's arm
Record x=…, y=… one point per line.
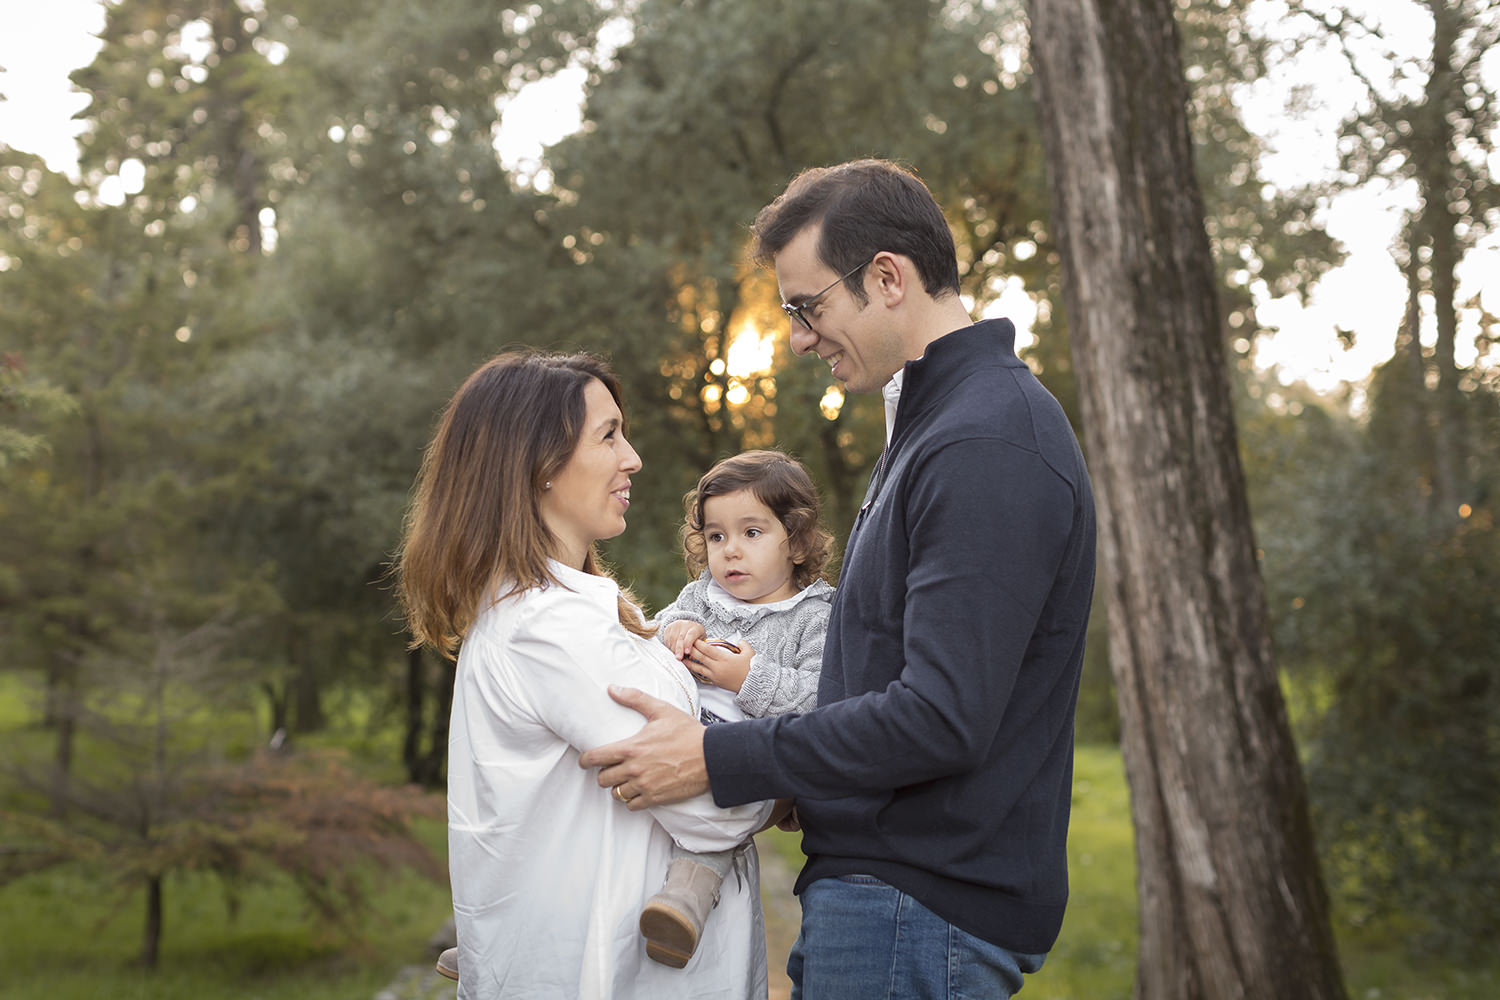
x=972, y=603
x=989, y=527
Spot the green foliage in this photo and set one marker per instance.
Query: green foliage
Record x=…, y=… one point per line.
x=1384, y=604
x=1406, y=759
x=307, y=816
x=21, y=398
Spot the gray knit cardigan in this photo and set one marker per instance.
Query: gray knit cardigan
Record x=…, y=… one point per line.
x=788, y=642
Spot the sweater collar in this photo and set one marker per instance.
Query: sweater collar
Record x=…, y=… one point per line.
x=737, y=610
x=951, y=357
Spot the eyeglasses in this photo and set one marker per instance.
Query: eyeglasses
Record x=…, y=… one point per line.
x=795, y=311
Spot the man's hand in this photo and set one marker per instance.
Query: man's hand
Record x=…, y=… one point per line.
x=661, y=764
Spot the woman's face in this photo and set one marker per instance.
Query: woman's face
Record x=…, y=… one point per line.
x=589, y=496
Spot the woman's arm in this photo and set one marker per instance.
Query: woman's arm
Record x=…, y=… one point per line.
x=565, y=650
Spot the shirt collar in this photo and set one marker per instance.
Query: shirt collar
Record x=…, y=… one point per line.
x=600, y=588
x=891, y=393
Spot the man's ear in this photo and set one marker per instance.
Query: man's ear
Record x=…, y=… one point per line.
x=893, y=275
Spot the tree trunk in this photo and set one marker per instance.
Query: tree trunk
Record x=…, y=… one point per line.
x=1231, y=900
x=1437, y=224
x=1409, y=376
x=430, y=772
x=307, y=693
x=416, y=688
x=276, y=698
x=62, y=754
x=151, y=941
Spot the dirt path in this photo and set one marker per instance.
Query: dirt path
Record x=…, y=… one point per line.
x=783, y=917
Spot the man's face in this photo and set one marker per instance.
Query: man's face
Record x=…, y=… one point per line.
x=862, y=351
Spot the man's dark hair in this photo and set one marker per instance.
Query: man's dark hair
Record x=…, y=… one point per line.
x=864, y=207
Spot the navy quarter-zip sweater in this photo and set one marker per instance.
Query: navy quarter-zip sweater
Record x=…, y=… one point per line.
x=940, y=758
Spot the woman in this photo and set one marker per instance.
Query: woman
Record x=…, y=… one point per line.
x=528, y=469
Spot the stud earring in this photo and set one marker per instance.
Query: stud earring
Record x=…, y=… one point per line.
x=547, y=485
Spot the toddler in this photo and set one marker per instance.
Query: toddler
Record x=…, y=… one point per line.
x=751, y=629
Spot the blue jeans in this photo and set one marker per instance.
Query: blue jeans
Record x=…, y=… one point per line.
x=863, y=939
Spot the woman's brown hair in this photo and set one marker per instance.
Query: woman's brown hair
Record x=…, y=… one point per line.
x=475, y=522
x=782, y=484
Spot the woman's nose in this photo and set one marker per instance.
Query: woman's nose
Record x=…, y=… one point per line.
x=630, y=461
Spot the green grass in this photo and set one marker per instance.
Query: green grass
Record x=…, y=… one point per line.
x=1094, y=958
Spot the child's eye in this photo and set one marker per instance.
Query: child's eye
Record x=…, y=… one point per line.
x=714, y=536
x=753, y=533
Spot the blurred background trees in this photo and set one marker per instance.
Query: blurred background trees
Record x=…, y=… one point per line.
x=226, y=340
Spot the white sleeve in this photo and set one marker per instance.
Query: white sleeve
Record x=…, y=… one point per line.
x=566, y=654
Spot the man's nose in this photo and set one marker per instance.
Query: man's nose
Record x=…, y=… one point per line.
x=802, y=338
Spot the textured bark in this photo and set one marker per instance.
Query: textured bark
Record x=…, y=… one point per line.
x=1231, y=900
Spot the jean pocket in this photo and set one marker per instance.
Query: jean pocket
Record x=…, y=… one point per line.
x=869, y=880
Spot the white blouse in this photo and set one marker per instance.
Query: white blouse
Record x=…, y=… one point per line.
x=549, y=872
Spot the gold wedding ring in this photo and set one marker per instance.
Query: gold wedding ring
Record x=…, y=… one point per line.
x=615, y=791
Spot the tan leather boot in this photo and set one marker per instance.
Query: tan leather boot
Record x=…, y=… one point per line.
x=672, y=921
x=447, y=964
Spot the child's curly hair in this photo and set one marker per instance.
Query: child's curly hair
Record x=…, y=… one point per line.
x=782, y=484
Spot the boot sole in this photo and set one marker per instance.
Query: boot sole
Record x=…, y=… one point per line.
x=446, y=972
x=669, y=934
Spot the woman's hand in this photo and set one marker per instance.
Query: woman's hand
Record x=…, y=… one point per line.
x=680, y=635
x=721, y=665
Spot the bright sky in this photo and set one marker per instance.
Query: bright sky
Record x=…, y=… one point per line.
x=44, y=40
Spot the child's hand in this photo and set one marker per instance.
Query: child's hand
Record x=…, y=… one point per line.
x=716, y=665
x=680, y=636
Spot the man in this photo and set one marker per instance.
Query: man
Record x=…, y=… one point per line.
x=933, y=782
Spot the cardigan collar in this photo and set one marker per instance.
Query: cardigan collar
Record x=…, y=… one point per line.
x=736, y=610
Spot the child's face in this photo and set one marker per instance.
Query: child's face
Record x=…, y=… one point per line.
x=749, y=552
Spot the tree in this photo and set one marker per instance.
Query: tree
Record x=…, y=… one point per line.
x=1429, y=123
x=1232, y=902
x=1395, y=629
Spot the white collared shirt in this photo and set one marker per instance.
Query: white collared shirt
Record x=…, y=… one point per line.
x=891, y=393
x=548, y=872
